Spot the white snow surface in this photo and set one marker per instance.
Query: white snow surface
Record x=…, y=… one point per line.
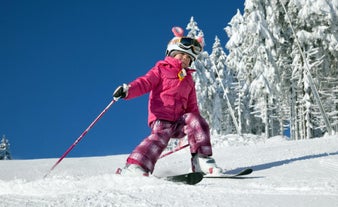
x=286, y=173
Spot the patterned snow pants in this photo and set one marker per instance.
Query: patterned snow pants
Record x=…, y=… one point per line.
x=149, y=150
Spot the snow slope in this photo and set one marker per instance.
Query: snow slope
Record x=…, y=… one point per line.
x=287, y=173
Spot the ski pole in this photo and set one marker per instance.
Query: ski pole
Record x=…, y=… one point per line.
x=81, y=136
x=174, y=150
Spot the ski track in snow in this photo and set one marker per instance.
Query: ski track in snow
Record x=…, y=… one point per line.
x=286, y=173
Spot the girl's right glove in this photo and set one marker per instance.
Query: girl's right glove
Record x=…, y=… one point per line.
x=121, y=92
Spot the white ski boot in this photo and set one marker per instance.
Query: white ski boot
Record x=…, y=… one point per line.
x=205, y=164
x=132, y=170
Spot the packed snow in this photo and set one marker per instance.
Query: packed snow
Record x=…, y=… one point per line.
x=286, y=173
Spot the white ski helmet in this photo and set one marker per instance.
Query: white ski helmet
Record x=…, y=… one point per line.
x=187, y=45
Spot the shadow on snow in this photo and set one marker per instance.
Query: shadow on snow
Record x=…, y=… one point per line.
x=282, y=162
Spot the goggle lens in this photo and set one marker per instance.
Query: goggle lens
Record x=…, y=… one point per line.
x=187, y=43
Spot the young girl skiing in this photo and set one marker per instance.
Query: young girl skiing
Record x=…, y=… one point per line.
x=172, y=109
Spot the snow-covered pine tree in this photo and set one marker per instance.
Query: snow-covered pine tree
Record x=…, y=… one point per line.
x=331, y=94
x=222, y=122
x=270, y=68
x=253, y=46
x=315, y=23
x=235, y=31
x=5, y=153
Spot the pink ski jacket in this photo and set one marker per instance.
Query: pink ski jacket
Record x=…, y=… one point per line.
x=170, y=97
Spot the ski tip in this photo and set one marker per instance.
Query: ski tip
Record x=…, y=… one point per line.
x=194, y=178
x=246, y=171
x=188, y=178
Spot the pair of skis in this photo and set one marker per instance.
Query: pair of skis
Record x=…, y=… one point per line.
x=196, y=177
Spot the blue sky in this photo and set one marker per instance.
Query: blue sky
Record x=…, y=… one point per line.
x=60, y=62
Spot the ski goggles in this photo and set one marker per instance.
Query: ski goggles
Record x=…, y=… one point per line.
x=189, y=43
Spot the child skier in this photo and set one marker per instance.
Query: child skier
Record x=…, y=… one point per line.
x=172, y=109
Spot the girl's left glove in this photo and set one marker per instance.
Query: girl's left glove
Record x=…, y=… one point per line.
x=121, y=92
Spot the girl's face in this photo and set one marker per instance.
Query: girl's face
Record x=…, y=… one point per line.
x=184, y=58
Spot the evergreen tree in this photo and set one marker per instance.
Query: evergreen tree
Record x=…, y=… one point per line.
x=256, y=68
x=272, y=75
x=315, y=24
x=222, y=122
x=5, y=153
